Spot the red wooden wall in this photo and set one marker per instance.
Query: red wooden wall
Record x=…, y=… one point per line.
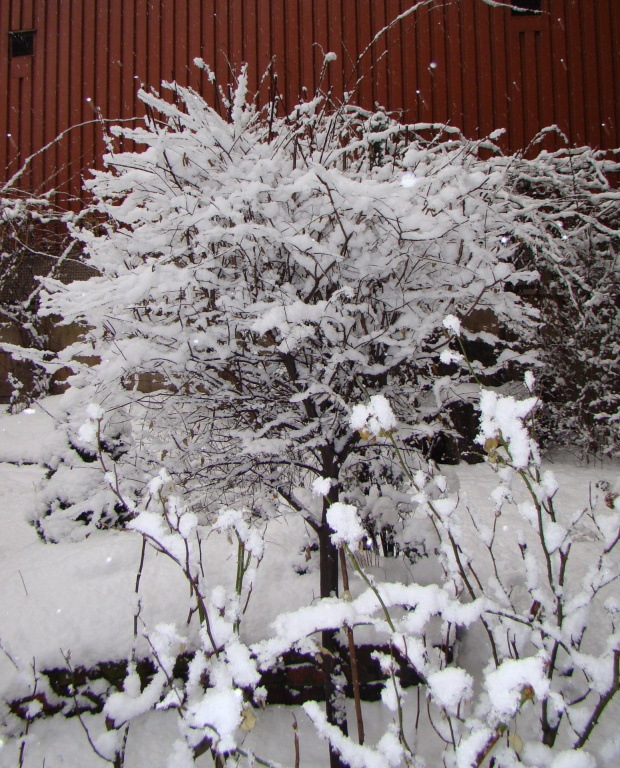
x=464, y=62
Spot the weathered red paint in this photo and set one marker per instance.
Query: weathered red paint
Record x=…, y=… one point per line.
x=462, y=62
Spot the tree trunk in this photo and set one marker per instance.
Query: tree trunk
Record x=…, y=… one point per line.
x=333, y=677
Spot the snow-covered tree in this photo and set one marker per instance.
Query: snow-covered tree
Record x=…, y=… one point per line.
x=257, y=275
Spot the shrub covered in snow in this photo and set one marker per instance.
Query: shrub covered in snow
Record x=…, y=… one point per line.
x=570, y=233
x=259, y=274
x=284, y=309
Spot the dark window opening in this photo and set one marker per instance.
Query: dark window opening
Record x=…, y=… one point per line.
x=21, y=43
x=524, y=7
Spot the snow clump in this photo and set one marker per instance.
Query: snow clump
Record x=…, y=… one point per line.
x=345, y=524
x=376, y=417
x=504, y=416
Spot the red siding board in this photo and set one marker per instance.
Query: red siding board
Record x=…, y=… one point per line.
x=394, y=97
x=51, y=80
x=194, y=21
x=559, y=72
x=181, y=42
x=575, y=67
x=38, y=99
x=153, y=70
x=363, y=78
x=493, y=69
x=278, y=48
x=264, y=49
x=63, y=92
x=614, y=70
x=5, y=16
x=499, y=81
x=438, y=63
x=408, y=45
x=424, y=90
x=484, y=70
x=90, y=131
x=468, y=69
x=334, y=45
x=591, y=92
x=605, y=52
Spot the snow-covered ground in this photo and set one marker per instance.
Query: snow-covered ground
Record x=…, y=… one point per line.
x=77, y=601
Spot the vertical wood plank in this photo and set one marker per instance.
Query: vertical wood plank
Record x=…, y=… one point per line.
x=153, y=72
x=194, y=22
x=141, y=33
x=321, y=43
x=410, y=74
x=114, y=58
x=168, y=32
x=25, y=106
x=364, y=56
x=265, y=69
x=335, y=45
x=39, y=102
x=591, y=84
x=222, y=64
x=559, y=70
x=13, y=98
x=438, y=63
x=575, y=68
x=181, y=63
x=424, y=59
x=129, y=45
x=51, y=82
x=277, y=35
x=605, y=74
x=63, y=91
x=250, y=44
x=379, y=55
x=349, y=44
x=498, y=19
x=394, y=96
x=91, y=131
x=484, y=70
x=5, y=25
x=544, y=81
x=236, y=33
x=76, y=109
x=615, y=66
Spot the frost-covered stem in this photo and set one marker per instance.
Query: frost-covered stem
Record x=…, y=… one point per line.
x=384, y=30
x=388, y=618
x=22, y=746
x=169, y=680
x=455, y=549
x=117, y=758
x=371, y=586
x=352, y=653
x=488, y=747
x=115, y=488
x=296, y=741
x=137, y=588
x=466, y=358
x=550, y=732
x=201, y=607
x=241, y=569
x=328, y=565
x=399, y=711
x=602, y=704
x=527, y=693
x=255, y=759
